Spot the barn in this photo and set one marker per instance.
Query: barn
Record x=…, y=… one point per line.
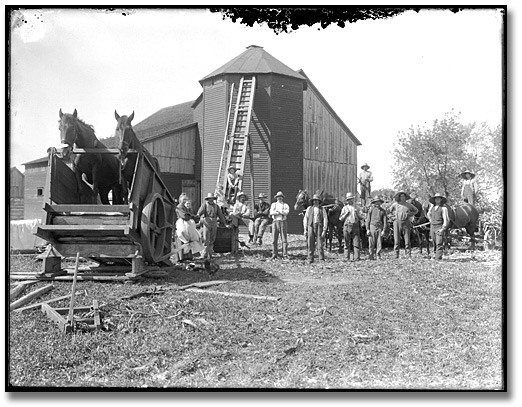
x=35, y=173
x=296, y=139
x=16, y=194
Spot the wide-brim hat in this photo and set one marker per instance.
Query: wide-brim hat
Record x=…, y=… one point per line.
x=232, y=168
x=241, y=194
x=316, y=197
x=279, y=194
x=467, y=172
x=349, y=195
x=262, y=196
x=432, y=199
x=376, y=199
x=396, y=197
x=365, y=165
x=210, y=195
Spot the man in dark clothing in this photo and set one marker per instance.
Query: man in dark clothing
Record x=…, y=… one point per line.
x=210, y=213
x=351, y=227
x=315, y=223
x=401, y=211
x=262, y=210
x=439, y=219
x=376, y=226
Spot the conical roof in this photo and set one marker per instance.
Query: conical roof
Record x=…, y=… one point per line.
x=254, y=60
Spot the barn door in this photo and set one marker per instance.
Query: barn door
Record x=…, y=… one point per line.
x=188, y=186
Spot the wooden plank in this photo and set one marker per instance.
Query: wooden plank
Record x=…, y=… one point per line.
x=84, y=229
x=69, y=278
x=90, y=220
x=19, y=289
x=107, y=210
x=101, y=151
x=54, y=316
x=39, y=305
x=29, y=297
x=98, y=250
x=227, y=294
x=97, y=319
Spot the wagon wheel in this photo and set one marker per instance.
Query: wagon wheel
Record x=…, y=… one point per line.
x=154, y=227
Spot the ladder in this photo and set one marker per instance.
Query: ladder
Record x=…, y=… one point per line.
x=235, y=144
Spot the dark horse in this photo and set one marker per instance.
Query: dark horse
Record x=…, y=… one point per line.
x=421, y=226
x=333, y=210
x=101, y=170
x=464, y=216
x=128, y=140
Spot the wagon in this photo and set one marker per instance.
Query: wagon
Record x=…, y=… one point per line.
x=136, y=234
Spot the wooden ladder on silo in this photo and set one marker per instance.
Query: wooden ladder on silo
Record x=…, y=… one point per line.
x=235, y=144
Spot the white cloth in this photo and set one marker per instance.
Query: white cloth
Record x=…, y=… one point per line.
x=22, y=234
x=186, y=232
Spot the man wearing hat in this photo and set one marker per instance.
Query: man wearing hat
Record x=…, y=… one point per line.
x=400, y=212
x=262, y=211
x=232, y=182
x=439, y=219
x=209, y=214
x=469, y=187
x=351, y=227
x=241, y=213
x=365, y=178
x=315, y=223
x=279, y=211
x=376, y=226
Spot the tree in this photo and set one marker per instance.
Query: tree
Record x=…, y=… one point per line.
x=430, y=160
x=290, y=19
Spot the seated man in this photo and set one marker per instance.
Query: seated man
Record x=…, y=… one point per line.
x=241, y=213
x=262, y=211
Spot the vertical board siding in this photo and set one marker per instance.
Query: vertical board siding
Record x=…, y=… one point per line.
x=287, y=143
x=330, y=155
x=214, y=122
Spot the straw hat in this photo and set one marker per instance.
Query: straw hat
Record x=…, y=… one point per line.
x=396, y=197
x=432, y=199
x=467, y=172
x=349, y=195
x=278, y=194
x=261, y=195
x=240, y=195
x=376, y=199
x=365, y=166
x=210, y=195
x=316, y=197
x=232, y=168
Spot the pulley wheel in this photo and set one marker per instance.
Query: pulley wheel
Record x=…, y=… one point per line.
x=154, y=227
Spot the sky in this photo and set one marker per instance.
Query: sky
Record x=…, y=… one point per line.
x=381, y=77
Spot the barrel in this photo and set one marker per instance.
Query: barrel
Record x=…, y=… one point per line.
x=226, y=240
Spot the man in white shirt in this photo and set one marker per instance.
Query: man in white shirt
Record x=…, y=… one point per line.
x=241, y=213
x=315, y=223
x=351, y=227
x=279, y=211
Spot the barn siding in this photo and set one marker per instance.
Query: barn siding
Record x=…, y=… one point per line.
x=34, y=179
x=330, y=156
x=214, y=122
x=287, y=142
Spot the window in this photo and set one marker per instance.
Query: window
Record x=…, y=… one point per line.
x=39, y=191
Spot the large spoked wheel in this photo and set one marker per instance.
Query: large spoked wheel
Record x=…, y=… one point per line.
x=154, y=227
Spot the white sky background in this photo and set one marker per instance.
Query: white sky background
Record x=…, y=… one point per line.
x=381, y=77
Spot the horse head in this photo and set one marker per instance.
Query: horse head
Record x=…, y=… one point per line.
x=302, y=199
x=68, y=131
x=124, y=133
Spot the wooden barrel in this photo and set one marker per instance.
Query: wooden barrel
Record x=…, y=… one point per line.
x=226, y=240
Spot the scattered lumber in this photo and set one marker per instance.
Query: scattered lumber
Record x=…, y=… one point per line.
x=227, y=294
x=203, y=284
x=29, y=297
x=39, y=304
x=19, y=289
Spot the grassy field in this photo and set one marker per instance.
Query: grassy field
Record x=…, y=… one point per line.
x=390, y=324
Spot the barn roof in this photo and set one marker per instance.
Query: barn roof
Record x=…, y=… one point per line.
x=37, y=161
x=254, y=60
x=165, y=120
x=339, y=120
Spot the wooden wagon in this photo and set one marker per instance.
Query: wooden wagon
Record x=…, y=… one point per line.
x=136, y=235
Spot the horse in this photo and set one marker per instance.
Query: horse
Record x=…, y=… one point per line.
x=101, y=170
x=128, y=140
x=464, y=216
x=335, y=226
x=421, y=226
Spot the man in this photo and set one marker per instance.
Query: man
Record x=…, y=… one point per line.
x=365, y=178
x=351, y=227
x=241, y=213
x=315, y=223
x=439, y=219
x=262, y=211
x=232, y=183
x=469, y=187
x=400, y=212
x=376, y=227
x=209, y=214
x=279, y=211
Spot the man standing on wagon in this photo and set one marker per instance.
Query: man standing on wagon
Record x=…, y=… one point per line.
x=210, y=213
x=315, y=223
x=365, y=180
x=400, y=212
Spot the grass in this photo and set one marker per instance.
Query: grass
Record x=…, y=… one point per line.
x=393, y=324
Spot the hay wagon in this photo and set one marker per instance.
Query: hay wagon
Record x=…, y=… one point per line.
x=136, y=235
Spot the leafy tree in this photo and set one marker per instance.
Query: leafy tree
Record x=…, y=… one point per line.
x=290, y=19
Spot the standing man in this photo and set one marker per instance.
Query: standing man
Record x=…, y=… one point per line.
x=439, y=219
x=241, y=213
x=209, y=214
x=365, y=179
x=376, y=227
x=351, y=227
x=315, y=223
x=279, y=211
x=262, y=211
x=400, y=212
x=469, y=187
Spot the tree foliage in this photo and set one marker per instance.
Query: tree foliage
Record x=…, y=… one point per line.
x=290, y=19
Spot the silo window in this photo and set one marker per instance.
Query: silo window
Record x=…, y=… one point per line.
x=39, y=191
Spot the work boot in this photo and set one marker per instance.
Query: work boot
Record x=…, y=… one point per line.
x=397, y=255
x=260, y=240
x=250, y=239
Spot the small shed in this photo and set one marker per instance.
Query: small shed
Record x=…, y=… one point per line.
x=35, y=173
x=16, y=194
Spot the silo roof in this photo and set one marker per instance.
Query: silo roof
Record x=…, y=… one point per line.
x=255, y=60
